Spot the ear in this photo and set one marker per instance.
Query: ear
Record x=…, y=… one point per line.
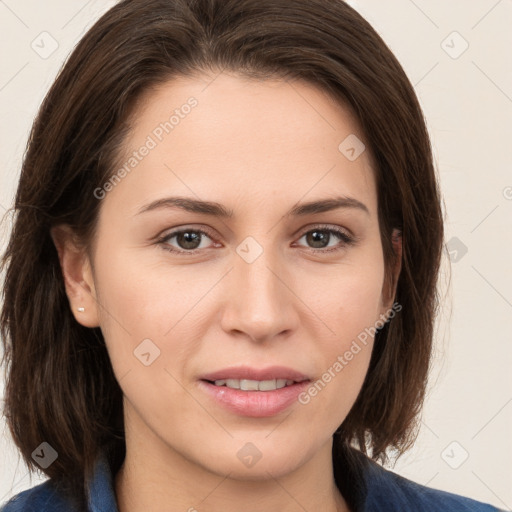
x=77, y=273
x=390, y=285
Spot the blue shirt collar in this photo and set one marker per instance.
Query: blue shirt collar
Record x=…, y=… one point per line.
x=101, y=496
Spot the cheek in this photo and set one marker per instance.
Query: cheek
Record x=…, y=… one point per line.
x=150, y=308
x=348, y=305
x=343, y=357
x=350, y=310
x=347, y=297
x=141, y=298
x=133, y=308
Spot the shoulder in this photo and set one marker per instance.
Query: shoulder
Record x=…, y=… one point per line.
x=44, y=497
x=391, y=492
x=52, y=496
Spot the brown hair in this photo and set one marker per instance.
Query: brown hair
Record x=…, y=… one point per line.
x=60, y=385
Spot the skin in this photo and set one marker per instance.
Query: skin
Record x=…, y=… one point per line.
x=258, y=148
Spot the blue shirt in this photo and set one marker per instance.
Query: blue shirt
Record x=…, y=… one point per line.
x=381, y=491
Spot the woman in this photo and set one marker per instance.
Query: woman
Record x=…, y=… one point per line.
x=221, y=281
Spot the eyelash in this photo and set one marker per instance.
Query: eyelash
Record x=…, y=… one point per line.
x=346, y=239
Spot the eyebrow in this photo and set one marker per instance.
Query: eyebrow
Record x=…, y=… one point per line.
x=217, y=210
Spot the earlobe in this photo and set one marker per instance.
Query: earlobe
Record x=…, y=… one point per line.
x=77, y=274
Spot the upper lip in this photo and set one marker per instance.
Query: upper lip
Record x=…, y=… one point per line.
x=249, y=373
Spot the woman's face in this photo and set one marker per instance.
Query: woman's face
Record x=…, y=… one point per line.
x=266, y=285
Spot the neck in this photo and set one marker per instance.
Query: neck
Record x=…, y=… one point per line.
x=153, y=476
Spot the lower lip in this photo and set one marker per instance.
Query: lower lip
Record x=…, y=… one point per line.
x=256, y=404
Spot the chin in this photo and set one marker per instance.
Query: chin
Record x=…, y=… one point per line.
x=257, y=461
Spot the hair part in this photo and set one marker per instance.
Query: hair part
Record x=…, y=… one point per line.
x=60, y=384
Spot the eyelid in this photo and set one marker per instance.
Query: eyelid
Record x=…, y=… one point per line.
x=327, y=227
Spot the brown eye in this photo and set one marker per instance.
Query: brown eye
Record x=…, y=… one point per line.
x=321, y=238
x=187, y=240
x=318, y=239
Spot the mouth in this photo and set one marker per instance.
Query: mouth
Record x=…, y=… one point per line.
x=251, y=392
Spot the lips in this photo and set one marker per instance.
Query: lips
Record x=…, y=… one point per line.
x=246, y=400
x=250, y=373
x=253, y=404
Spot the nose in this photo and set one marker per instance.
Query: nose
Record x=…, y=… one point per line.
x=259, y=301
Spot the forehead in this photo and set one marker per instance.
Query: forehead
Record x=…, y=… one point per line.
x=229, y=135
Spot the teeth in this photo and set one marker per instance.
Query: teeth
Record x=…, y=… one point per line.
x=254, y=385
x=232, y=383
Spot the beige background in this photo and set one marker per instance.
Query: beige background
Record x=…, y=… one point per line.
x=465, y=442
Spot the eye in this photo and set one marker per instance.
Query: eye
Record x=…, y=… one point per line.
x=321, y=236
x=188, y=240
